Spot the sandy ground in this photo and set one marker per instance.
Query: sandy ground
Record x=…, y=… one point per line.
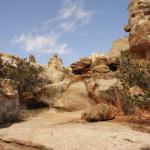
x=65, y=131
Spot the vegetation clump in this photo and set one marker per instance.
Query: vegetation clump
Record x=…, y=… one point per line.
x=134, y=74
x=24, y=75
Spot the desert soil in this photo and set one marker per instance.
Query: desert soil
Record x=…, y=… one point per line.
x=51, y=130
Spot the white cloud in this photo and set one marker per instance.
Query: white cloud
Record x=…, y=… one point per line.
x=72, y=15
x=42, y=44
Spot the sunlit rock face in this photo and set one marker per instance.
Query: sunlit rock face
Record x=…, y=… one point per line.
x=54, y=70
x=118, y=46
x=56, y=63
x=82, y=66
x=7, y=57
x=139, y=28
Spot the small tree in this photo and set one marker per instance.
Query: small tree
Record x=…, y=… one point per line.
x=25, y=76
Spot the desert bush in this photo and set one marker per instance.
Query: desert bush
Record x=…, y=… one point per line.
x=131, y=103
x=132, y=74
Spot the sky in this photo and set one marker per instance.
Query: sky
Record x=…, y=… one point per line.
x=70, y=28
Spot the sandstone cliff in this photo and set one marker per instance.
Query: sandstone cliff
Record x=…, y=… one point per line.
x=119, y=45
x=139, y=28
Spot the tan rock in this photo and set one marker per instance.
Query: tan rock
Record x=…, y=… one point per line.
x=52, y=92
x=139, y=28
x=8, y=58
x=54, y=71
x=136, y=91
x=100, y=112
x=52, y=75
x=101, y=69
x=109, y=91
x=82, y=66
x=55, y=63
x=75, y=98
x=98, y=59
x=9, y=102
x=118, y=46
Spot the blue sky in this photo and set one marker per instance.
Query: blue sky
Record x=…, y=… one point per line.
x=71, y=28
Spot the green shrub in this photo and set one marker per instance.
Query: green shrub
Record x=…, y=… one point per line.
x=132, y=74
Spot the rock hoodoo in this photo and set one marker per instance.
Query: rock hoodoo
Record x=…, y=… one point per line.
x=32, y=59
x=56, y=63
x=54, y=70
x=139, y=28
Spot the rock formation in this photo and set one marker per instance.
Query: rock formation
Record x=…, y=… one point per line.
x=100, y=112
x=9, y=102
x=32, y=59
x=118, y=46
x=56, y=63
x=139, y=28
x=54, y=70
x=82, y=66
x=88, y=84
x=8, y=58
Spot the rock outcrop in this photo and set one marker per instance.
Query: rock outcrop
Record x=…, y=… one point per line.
x=90, y=82
x=32, y=59
x=75, y=94
x=56, y=63
x=75, y=98
x=9, y=102
x=139, y=28
x=7, y=58
x=82, y=66
x=118, y=46
x=54, y=71
x=100, y=112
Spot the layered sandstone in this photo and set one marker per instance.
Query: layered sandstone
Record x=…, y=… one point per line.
x=118, y=46
x=139, y=28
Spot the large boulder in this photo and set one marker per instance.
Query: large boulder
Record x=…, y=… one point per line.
x=139, y=28
x=100, y=112
x=52, y=92
x=107, y=91
x=75, y=98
